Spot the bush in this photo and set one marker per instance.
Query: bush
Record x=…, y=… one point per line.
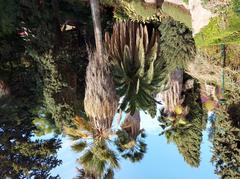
x=236, y=6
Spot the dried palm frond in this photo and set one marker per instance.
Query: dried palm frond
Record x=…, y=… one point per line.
x=100, y=100
x=172, y=97
x=132, y=124
x=82, y=128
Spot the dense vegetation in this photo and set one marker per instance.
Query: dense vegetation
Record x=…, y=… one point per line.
x=54, y=81
x=223, y=28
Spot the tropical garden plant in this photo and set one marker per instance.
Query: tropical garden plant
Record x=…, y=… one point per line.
x=136, y=68
x=130, y=138
x=226, y=150
x=100, y=102
x=186, y=132
x=177, y=46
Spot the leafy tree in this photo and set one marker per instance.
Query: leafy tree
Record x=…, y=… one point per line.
x=177, y=46
x=44, y=124
x=226, y=142
x=135, y=66
x=21, y=155
x=8, y=17
x=188, y=137
x=59, y=94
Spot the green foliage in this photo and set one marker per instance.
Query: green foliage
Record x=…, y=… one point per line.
x=8, y=17
x=221, y=29
x=226, y=140
x=189, y=142
x=136, y=11
x=236, y=6
x=99, y=159
x=177, y=46
x=60, y=100
x=44, y=124
x=29, y=157
x=188, y=138
x=131, y=149
x=135, y=66
x=178, y=13
x=79, y=146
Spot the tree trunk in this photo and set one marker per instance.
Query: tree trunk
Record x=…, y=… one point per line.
x=95, y=9
x=56, y=17
x=159, y=3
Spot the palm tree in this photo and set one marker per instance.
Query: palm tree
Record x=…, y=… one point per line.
x=82, y=174
x=98, y=160
x=130, y=140
x=95, y=9
x=81, y=129
x=135, y=65
x=100, y=100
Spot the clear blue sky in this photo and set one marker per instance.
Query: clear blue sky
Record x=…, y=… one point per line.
x=162, y=160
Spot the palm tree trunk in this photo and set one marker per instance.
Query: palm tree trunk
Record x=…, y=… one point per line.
x=95, y=9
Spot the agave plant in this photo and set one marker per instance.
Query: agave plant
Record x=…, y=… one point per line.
x=135, y=65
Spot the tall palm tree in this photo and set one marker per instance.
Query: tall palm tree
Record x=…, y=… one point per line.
x=100, y=105
x=100, y=100
x=135, y=65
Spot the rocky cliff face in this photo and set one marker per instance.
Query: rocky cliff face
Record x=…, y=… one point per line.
x=200, y=15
